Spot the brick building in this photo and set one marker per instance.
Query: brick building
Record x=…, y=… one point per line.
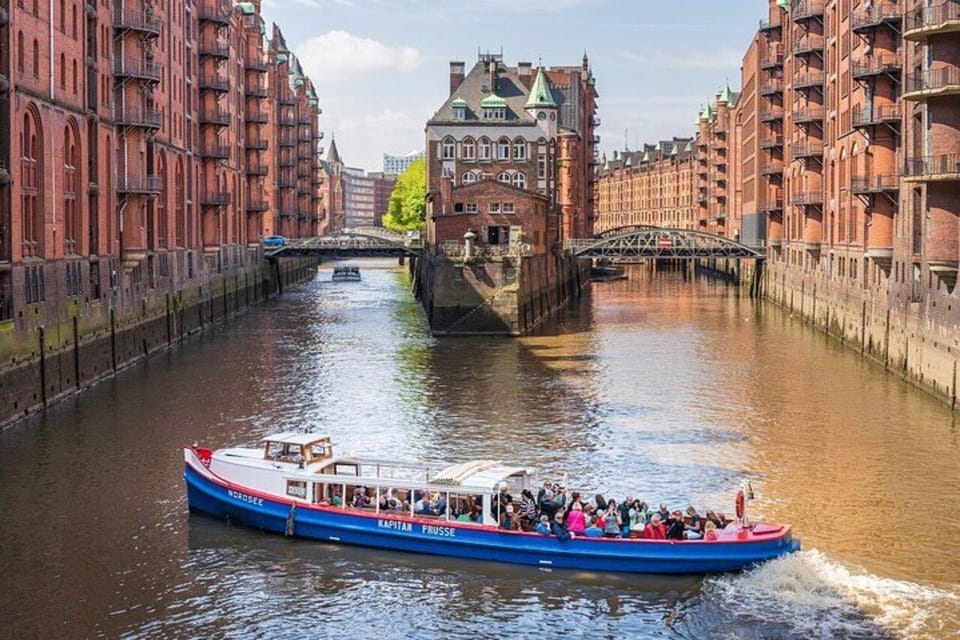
x=509, y=145
x=383, y=184
x=137, y=142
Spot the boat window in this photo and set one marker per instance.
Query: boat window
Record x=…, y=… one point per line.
x=318, y=451
x=283, y=452
x=346, y=469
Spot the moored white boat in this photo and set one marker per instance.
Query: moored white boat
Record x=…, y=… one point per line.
x=347, y=273
x=295, y=485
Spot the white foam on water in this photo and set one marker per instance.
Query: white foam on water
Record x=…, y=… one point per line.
x=809, y=595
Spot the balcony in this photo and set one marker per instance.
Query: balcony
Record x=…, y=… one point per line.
x=137, y=69
x=287, y=140
x=288, y=100
x=810, y=79
x=214, y=82
x=318, y=136
x=215, y=198
x=806, y=9
x=287, y=163
x=942, y=168
x=871, y=66
x=287, y=181
x=719, y=145
x=215, y=151
x=256, y=116
x=771, y=206
x=867, y=116
x=771, y=88
x=771, y=61
x=808, y=43
x=215, y=49
x=773, y=142
x=933, y=83
x=808, y=199
x=255, y=144
x=867, y=185
x=215, y=116
x=255, y=90
x=137, y=117
x=720, y=161
x=807, y=150
x=256, y=63
x=139, y=185
x=288, y=212
x=771, y=169
x=920, y=24
x=808, y=115
x=772, y=115
x=885, y=12
x=257, y=169
x=256, y=206
x=218, y=12
x=766, y=26
x=132, y=20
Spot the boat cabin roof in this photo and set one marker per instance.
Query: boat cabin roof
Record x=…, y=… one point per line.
x=476, y=473
x=298, y=439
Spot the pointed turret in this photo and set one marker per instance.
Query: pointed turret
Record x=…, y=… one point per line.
x=540, y=94
x=333, y=156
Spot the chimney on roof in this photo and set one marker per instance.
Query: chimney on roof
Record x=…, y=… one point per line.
x=525, y=73
x=492, y=73
x=456, y=75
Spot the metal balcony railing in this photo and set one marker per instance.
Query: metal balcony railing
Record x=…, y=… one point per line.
x=255, y=63
x=770, y=206
x=772, y=87
x=771, y=169
x=136, y=68
x=771, y=142
x=868, y=116
x=771, y=61
x=217, y=11
x=875, y=65
x=214, y=49
x=861, y=185
x=133, y=20
x=257, y=169
x=256, y=116
x=809, y=198
x=808, y=150
x=214, y=82
x=215, y=116
x=806, y=9
x=126, y=116
x=255, y=89
x=945, y=80
x=870, y=17
x=215, y=198
x=769, y=25
x=215, y=150
x=256, y=206
x=808, y=115
x=925, y=21
x=256, y=144
x=139, y=184
x=945, y=167
x=771, y=115
x=807, y=43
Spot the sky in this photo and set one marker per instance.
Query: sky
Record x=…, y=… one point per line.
x=381, y=67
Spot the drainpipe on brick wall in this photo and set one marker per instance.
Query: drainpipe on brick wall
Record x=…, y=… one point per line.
x=53, y=95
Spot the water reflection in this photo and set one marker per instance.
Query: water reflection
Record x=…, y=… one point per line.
x=668, y=387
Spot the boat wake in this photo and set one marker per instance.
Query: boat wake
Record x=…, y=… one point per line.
x=809, y=595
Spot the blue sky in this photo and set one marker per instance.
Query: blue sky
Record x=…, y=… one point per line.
x=381, y=66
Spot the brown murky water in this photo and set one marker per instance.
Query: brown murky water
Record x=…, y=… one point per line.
x=671, y=389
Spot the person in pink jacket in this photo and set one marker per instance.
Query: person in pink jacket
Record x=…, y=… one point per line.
x=575, y=520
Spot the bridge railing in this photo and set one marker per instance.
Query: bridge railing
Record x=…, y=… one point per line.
x=485, y=251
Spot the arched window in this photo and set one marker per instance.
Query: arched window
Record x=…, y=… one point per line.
x=484, y=150
x=20, y=51
x=469, y=178
x=163, y=220
x=31, y=175
x=520, y=180
x=74, y=20
x=519, y=149
x=180, y=221
x=449, y=149
x=71, y=211
x=503, y=177
x=63, y=72
x=468, y=149
x=63, y=16
x=503, y=149
x=36, y=59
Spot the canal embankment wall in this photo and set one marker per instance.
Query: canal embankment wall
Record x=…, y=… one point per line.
x=508, y=296
x=923, y=351
x=66, y=345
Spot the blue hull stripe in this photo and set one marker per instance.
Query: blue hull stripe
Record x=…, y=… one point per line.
x=344, y=527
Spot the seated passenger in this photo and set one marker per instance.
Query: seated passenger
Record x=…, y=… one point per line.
x=424, y=506
x=601, y=503
x=528, y=510
x=593, y=530
x=655, y=530
x=710, y=531
x=624, y=508
x=664, y=513
x=694, y=528
x=441, y=503
x=543, y=526
x=611, y=521
x=508, y=520
x=559, y=529
x=715, y=518
x=676, y=530
x=576, y=521
x=360, y=499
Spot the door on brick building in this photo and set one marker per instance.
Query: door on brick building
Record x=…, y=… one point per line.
x=498, y=234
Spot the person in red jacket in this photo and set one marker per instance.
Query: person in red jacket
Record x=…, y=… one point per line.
x=655, y=530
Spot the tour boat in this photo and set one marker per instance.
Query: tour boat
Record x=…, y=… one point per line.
x=346, y=274
x=293, y=484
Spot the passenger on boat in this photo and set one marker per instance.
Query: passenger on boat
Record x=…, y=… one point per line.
x=424, y=506
x=601, y=503
x=360, y=499
x=336, y=500
x=576, y=521
x=508, y=520
x=593, y=529
x=544, y=525
x=549, y=504
x=638, y=518
x=500, y=501
x=625, y=517
x=710, y=531
x=676, y=527
x=714, y=518
x=528, y=510
x=542, y=493
x=559, y=529
x=664, y=513
x=694, y=528
x=655, y=530
x=611, y=521
x=575, y=499
x=441, y=503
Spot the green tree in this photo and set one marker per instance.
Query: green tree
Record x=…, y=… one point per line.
x=407, y=210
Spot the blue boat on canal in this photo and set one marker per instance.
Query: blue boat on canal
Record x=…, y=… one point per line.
x=293, y=484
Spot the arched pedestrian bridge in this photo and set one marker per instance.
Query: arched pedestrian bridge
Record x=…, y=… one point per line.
x=639, y=242
x=359, y=242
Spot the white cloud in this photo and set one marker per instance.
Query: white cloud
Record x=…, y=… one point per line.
x=337, y=54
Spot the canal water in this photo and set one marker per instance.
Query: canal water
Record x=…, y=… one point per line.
x=669, y=388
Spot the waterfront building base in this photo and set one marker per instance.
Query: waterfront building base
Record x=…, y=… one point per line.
x=509, y=296
x=921, y=352
x=52, y=360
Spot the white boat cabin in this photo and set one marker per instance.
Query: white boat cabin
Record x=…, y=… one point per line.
x=304, y=468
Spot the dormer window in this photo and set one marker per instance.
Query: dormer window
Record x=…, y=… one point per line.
x=495, y=114
x=494, y=107
x=459, y=113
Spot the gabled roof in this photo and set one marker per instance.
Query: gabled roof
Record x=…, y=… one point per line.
x=333, y=155
x=540, y=94
x=475, y=90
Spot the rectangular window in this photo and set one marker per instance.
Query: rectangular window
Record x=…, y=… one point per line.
x=471, y=207
x=494, y=207
x=508, y=207
x=484, y=150
x=503, y=151
x=458, y=207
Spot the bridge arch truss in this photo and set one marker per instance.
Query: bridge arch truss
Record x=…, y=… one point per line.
x=642, y=242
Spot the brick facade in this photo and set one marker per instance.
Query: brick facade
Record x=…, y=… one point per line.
x=137, y=149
